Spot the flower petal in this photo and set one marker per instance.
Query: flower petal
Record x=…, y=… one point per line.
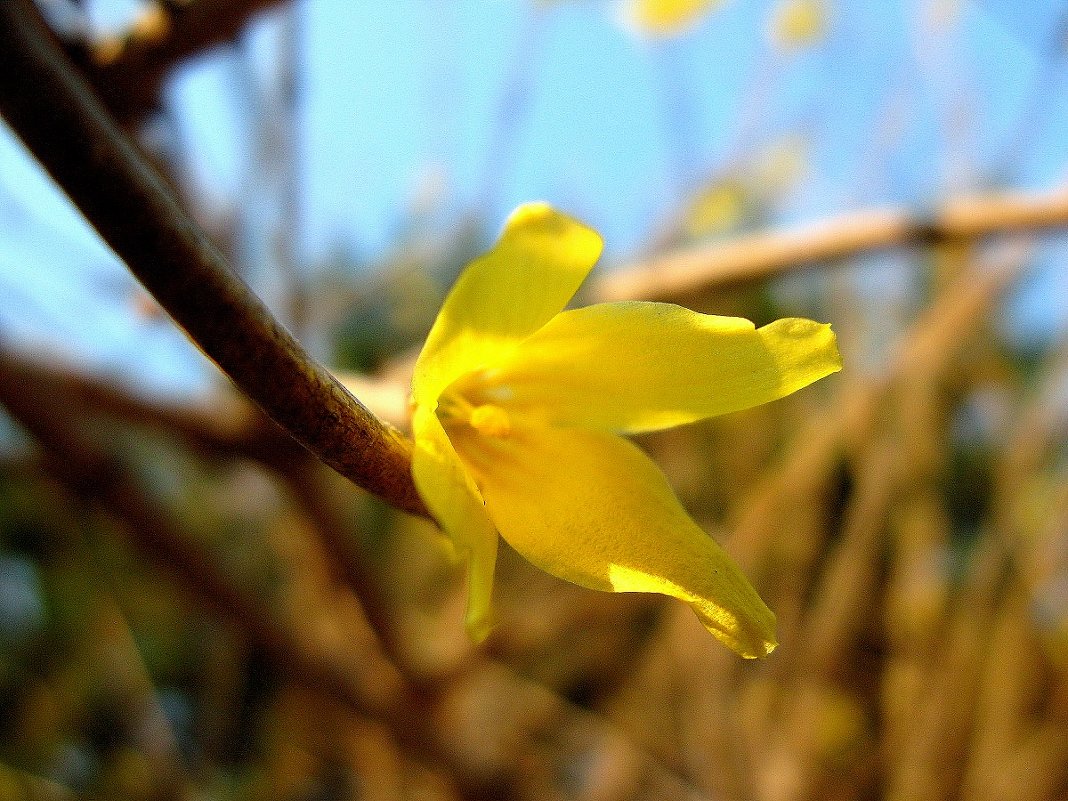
x=503, y=296
x=455, y=502
x=591, y=508
x=645, y=366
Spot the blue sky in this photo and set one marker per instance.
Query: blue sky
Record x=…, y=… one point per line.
x=455, y=107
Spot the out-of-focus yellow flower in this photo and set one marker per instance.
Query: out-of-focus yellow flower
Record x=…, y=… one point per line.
x=518, y=406
x=667, y=17
x=727, y=202
x=797, y=23
x=718, y=207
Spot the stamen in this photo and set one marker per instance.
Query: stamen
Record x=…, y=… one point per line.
x=491, y=420
x=454, y=408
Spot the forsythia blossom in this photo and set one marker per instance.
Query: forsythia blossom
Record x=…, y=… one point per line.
x=667, y=17
x=518, y=405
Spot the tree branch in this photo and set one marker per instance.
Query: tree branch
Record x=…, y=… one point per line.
x=128, y=73
x=546, y=730
x=761, y=255
x=233, y=431
x=370, y=688
x=55, y=113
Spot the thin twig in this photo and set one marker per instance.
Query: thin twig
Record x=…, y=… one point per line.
x=761, y=255
x=55, y=113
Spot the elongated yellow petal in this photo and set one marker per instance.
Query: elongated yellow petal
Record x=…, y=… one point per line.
x=591, y=508
x=537, y=264
x=645, y=366
x=455, y=502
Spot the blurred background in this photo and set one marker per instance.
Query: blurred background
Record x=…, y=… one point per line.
x=193, y=608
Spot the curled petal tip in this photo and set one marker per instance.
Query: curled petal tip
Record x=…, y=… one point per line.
x=549, y=231
x=758, y=648
x=739, y=618
x=478, y=630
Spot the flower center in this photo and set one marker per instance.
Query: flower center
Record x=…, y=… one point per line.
x=488, y=419
x=491, y=420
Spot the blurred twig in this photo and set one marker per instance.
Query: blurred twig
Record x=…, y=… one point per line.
x=55, y=113
x=128, y=74
x=536, y=713
x=371, y=688
x=229, y=428
x=929, y=342
x=762, y=255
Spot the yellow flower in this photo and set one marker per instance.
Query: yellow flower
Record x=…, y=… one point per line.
x=797, y=23
x=668, y=17
x=517, y=407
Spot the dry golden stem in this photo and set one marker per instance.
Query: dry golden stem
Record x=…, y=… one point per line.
x=761, y=255
x=845, y=597
x=1010, y=694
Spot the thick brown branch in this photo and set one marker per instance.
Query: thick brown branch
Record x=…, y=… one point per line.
x=761, y=255
x=55, y=113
